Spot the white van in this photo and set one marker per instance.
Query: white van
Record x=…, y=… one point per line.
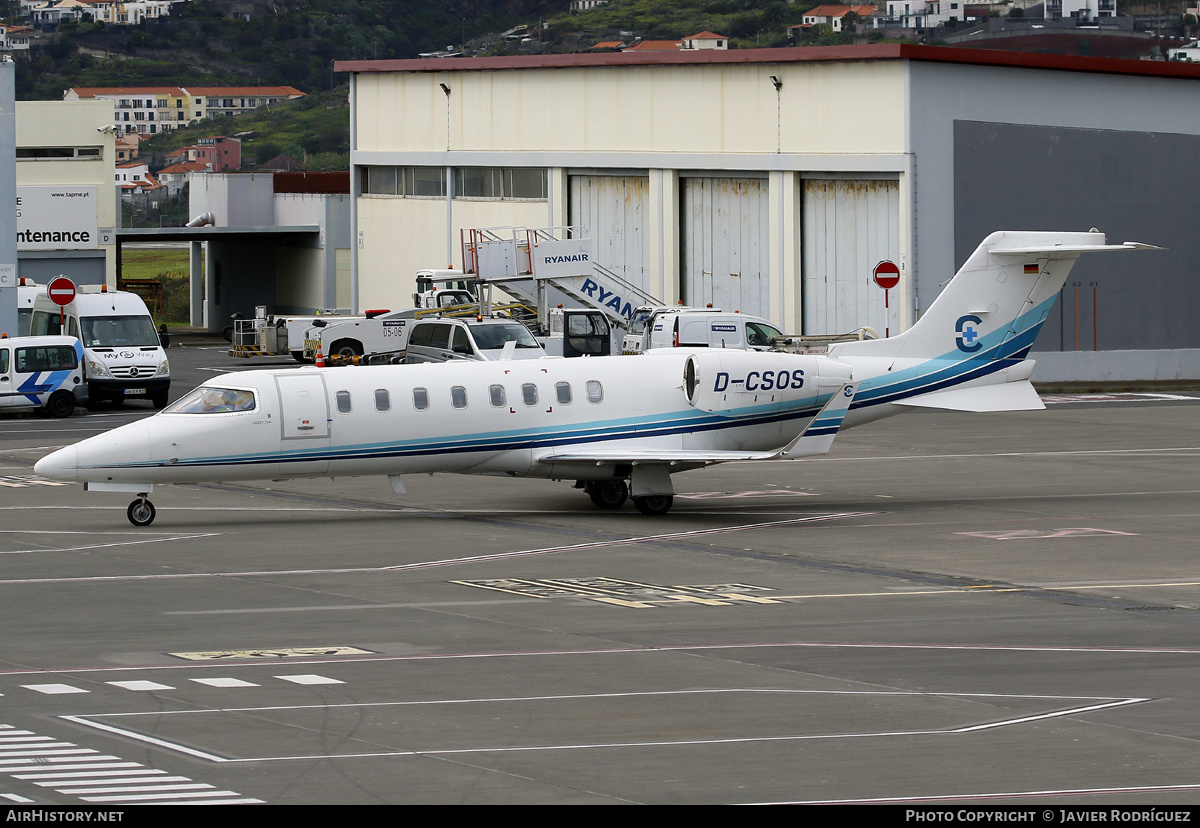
x=122, y=355
x=27, y=292
x=42, y=371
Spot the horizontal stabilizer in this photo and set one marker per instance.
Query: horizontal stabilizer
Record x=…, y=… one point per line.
x=1008, y=396
x=1071, y=249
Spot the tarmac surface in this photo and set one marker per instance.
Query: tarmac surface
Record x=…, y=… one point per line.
x=947, y=608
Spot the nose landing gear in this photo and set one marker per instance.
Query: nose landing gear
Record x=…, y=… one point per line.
x=141, y=511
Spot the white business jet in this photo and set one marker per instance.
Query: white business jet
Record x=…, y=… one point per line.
x=620, y=425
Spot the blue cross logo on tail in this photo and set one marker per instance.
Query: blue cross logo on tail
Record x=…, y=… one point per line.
x=968, y=338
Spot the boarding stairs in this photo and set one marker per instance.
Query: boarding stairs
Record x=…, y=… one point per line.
x=548, y=267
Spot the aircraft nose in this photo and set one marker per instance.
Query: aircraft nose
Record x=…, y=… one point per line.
x=60, y=465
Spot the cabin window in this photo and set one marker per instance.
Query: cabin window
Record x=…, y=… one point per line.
x=458, y=397
x=52, y=358
x=595, y=391
x=207, y=400
x=499, y=398
x=562, y=390
x=420, y=399
x=343, y=402
x=529, y=393
x=382, y=401
x=3, y=360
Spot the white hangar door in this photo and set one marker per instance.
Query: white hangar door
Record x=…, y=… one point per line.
x=613, y=211
x=849, y=227
x=724, y=243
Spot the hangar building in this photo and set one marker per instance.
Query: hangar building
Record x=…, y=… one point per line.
x=772, y=181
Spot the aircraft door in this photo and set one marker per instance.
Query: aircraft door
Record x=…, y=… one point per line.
x=304, y=420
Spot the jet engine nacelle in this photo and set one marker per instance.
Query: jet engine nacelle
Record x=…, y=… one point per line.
x=729, y=381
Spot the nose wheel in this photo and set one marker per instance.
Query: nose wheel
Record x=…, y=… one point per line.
x=141, y=512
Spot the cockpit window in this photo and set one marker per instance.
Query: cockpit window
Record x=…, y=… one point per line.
x=206, y=400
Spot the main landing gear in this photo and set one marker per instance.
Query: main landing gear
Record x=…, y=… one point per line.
x=141, y=511
x=612, y=494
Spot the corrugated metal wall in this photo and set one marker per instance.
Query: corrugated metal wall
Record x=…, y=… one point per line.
x=613, y=210
x=849, y=227
x=725, y=231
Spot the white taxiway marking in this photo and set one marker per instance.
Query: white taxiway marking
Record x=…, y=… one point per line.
x=54, y=689
x=139, y=685
x=1093, y=704
x=1002, y=795
x=309, y=679
x=224, y=682
x=135, y=539
x=101, y=781
x=471, y=559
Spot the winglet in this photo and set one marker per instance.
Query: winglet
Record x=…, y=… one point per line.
x=817, y=437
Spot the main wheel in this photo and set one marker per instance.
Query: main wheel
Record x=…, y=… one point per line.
x=347, y=349
x=141, y=512
x=654, y=504
x=61, y=404
x=609, y=494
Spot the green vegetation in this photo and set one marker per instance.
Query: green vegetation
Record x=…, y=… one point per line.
x=745, y=22
x=169, y=266
x=206, y=43
x=313, y=130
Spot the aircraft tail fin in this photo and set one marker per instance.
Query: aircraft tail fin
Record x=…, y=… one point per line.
x=996, y=303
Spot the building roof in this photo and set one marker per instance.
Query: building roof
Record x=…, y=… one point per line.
x=783, y=56
x=93, y=91
x=840, y=11
x=257, y=91
x=609, y=44
x=655, y=46
x=706, y=36
x=187, y=167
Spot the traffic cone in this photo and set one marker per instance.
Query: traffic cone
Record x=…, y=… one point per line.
x=320, y=358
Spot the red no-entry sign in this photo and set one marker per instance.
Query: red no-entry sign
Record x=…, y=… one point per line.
x=61, y=290
x=886, y=274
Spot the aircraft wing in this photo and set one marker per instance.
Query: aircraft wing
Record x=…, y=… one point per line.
x=815, y=439
x=1007, y=396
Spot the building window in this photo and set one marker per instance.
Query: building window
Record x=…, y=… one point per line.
x=404, y=181
x=57, y=153
x=500, y=182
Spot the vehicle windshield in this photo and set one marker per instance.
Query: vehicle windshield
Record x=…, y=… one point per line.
x=208, y=400
x=637, y=325
x=760, y=334
x=118, y=332
x=490, y=337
